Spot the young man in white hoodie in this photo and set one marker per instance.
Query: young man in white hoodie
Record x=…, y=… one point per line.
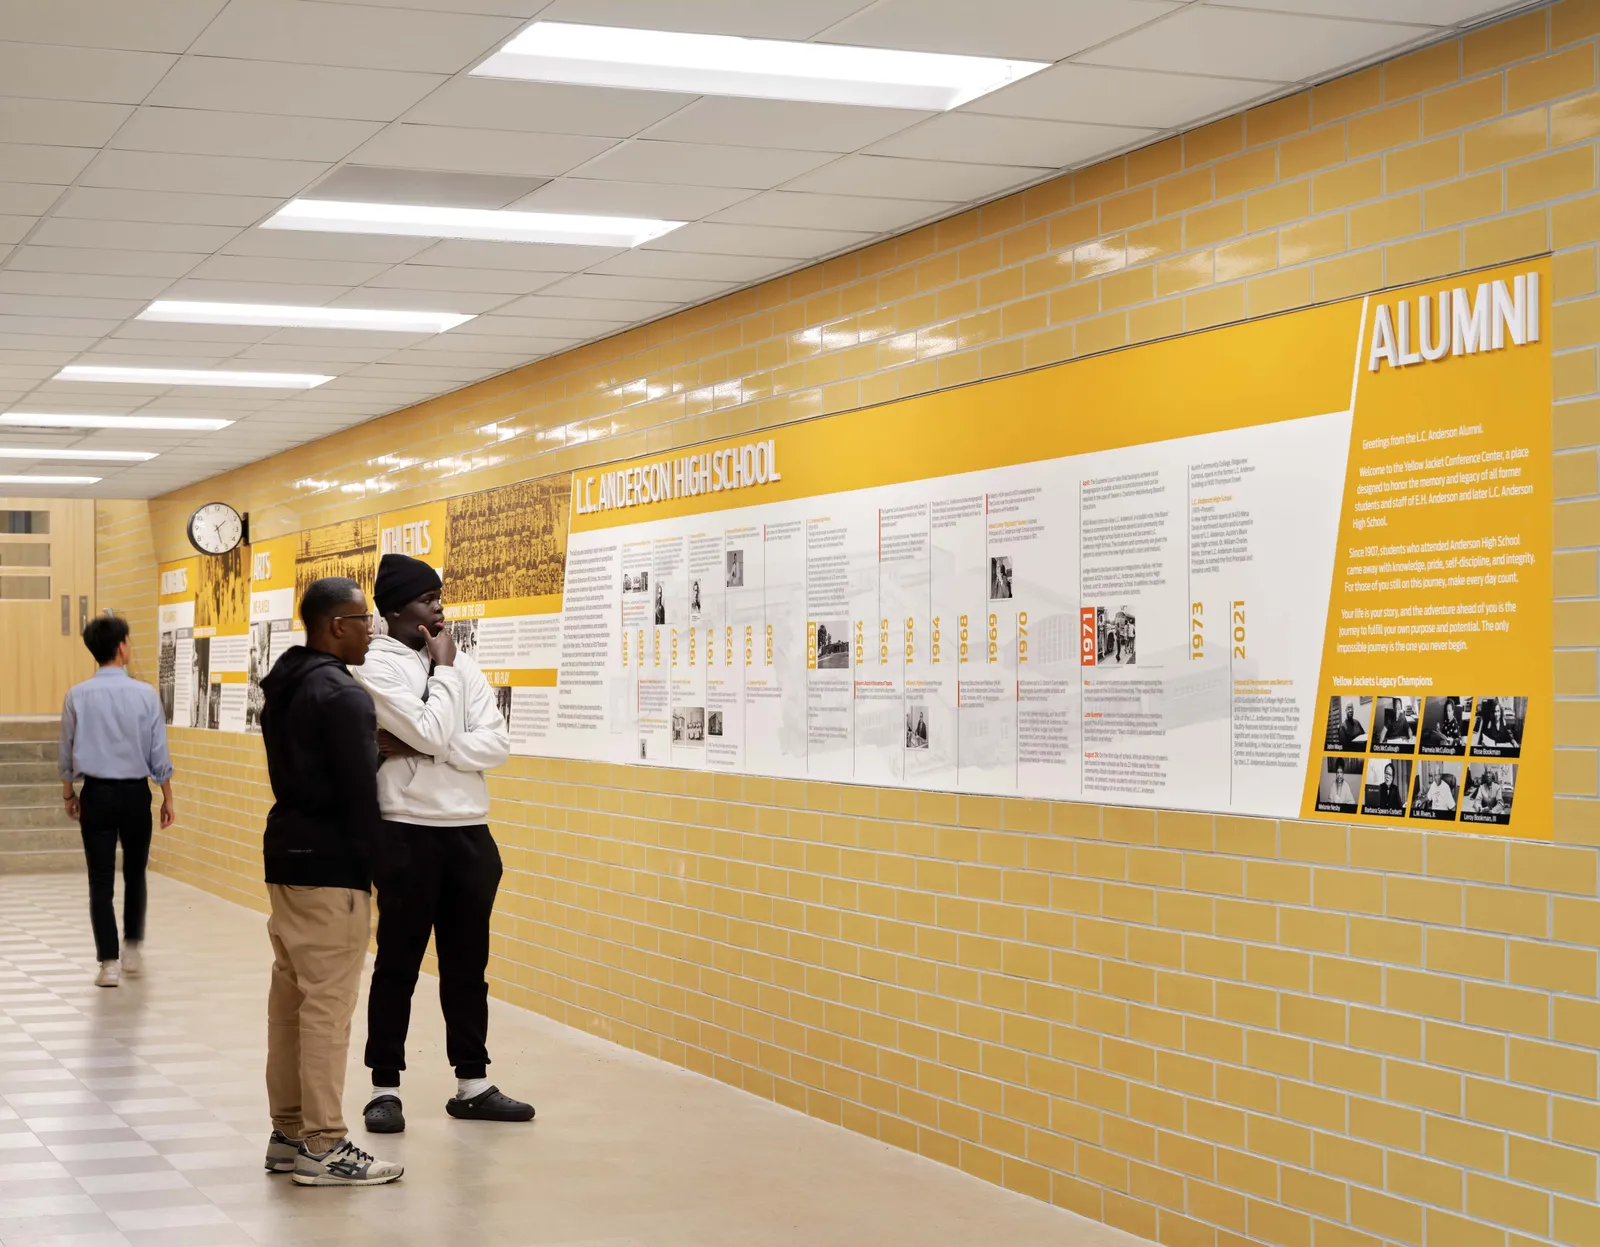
x=439, y=731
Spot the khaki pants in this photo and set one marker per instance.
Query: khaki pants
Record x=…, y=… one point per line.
x=319, y=941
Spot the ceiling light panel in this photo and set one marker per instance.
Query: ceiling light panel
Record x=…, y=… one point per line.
x=49, y=480
x=665, y=60
x=51, y=452
x=193, y=376
x=425, y=221
x=54, y=420
x=188, y=313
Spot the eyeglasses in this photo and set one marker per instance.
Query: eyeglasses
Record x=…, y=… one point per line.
x=366, y=619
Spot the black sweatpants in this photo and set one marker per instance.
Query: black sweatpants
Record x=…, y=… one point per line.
x=449, y=891
x=112, y=810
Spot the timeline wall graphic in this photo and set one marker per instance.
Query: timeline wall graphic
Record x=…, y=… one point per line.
x=1297, y=567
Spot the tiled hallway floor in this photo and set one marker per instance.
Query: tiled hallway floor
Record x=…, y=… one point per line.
x=136, y=1116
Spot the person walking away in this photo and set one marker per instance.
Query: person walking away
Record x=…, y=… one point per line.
x=440, y=730
x=114, y=739
x=324, y=839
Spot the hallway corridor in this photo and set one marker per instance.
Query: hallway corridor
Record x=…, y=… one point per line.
x=135, y=1117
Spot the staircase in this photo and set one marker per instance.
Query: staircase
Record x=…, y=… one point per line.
x=35, y=833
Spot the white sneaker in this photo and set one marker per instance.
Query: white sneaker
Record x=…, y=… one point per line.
x=132, y=956
x=344, y=1164
x=110, y=974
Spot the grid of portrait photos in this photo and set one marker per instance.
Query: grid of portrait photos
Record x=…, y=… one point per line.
x=1442, y=759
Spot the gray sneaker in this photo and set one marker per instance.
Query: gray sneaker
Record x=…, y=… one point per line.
x=344, y=1164
x=281, y=1152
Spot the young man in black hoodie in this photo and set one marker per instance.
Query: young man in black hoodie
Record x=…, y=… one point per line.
x=323, y=843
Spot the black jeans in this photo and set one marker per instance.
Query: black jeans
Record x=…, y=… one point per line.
x=448, y=890
x=112, y=810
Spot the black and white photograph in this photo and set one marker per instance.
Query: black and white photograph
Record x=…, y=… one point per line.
x=1395, y=724
x=200, y=682
x=714, y=723
x=1000, y=578
x=465, y=631
x=1444, y=725
x=1437, y=793
x=638, y=582
x=1388, y=782
x=167, y=672
x=1115, y=636
x=1487, y=791
x=916, y=726
x=694, y=600
x=1349, y=721
x=502, y=702
x=644, y=751
x=260, y=663
x=508, y=542
x=1497, y=729
x=735, y=569
x=661, y=603
x=213, y=707
x=1338, y=789
x=688, y=725
x=833, y=645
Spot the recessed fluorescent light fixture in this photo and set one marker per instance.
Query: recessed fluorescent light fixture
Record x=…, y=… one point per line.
x=193, y=376
x=771, y=69
x=51, y=452
x=177, y=311
x=54, y=420
x=49, y=480
x=334, y=216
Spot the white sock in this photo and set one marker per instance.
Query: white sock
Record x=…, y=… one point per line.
x=382, y=1091
x=471, y=1088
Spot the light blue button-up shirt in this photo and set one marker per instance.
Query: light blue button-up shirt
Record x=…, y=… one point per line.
x=112, y=727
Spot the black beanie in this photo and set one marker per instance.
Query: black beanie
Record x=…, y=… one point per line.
x=401, y=581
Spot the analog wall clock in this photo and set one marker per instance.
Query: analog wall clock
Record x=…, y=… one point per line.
x=216, y=528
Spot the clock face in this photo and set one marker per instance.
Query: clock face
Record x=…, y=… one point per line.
x=215, y=528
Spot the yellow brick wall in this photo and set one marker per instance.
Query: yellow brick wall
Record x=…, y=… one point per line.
x=124, y=552
x=1205, y=1030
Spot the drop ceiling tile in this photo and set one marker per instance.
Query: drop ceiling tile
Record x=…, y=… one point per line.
x=763, y=240
x=13, y=229
x=68, y=305
x=90, y=259
x=513, y=348
x=725, y=268
x=224, y=339
x=199, y=132
x=470, y=280
x=662, y=201
x=642, y=160
x=496, y=8
x=296, y=31
x=1009, y=141
x=409, y=298
x=478, y=151
x=33, y=162
x=723, y=119
x=529, y=257
x=27, y=198
x=203, y=291
x=207, y=175
x=1244, y=44
x=1428, y=12
x=1034, y=30
x=276, y=353
x=160, y=207
x=249, y=268
x=96, y=75
x=896, y=178
x=854, y=212
x=84, y=285
x=63, y=325
x=46, y=342
x=489, y=363
x=667, y=289
x=1135, y=97
x=385, y=184
x=546, y=107
x=443, y=375
x=709, y=17
x=67, y=123
x=145, y=26
x=316, y=343
x=626, y=310
x=526, y=326
x=291, y=90
x=296, y=245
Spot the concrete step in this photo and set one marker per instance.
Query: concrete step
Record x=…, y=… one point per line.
x=41, y=840
x=37, y=792
x=30, y=772
x=29, y=750
x=30, y=729
x=19, y=816
x=39, y=863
